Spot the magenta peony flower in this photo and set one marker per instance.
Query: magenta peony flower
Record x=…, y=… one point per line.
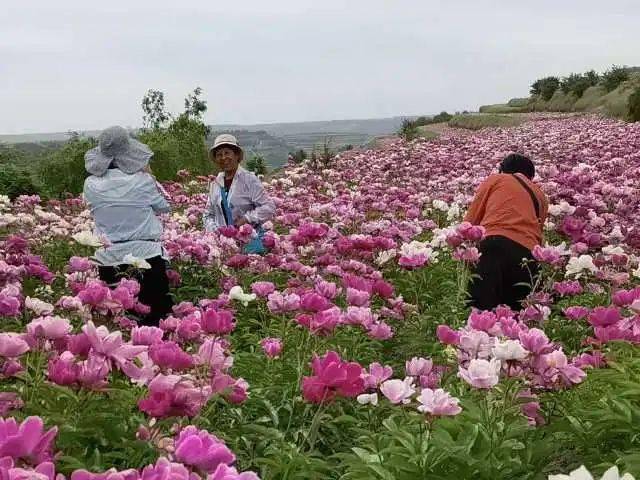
x=94, y=293
x=27, y=441
x=482, y=320
x=9, y=305
x=202, y=450
x=219, y=322
x=314, y=302
x=576, y=313
x=63, y=369
x=438, y=403
x=168, y=354
x=604, y=316
x=332, y=377
x=272, y=347
x=447, y=335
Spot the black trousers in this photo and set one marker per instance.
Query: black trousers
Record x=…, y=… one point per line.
x=154, y=287
x=503, y=267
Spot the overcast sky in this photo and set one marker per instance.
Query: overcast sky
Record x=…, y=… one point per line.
x=78, y=65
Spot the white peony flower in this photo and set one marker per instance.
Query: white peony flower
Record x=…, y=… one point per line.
x=509, y=350
x=136, y=262
x=440, y=205
x=579, y=265
x=368, y=398
x=385, y=256
x=236, y=293
x=37, y=306
x=87, y=238
x=613, y=250
x=583, y=474
x=562, y=208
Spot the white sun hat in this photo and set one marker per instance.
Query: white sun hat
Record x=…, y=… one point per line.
x=115, y=145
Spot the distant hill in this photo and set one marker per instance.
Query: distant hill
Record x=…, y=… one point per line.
x=272, y=140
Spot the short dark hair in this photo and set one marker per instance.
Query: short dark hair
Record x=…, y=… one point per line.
x=517, y=163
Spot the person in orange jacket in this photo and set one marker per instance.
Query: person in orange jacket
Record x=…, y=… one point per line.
x=512, y=208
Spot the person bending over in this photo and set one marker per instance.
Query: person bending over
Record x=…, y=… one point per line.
x=512, y=208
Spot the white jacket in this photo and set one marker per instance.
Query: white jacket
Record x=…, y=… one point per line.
x=247, y=198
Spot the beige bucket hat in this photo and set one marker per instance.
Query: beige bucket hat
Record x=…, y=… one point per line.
x=225, y=140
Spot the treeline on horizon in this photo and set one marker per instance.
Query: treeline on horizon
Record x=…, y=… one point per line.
x=56, y=169
x=614, y=92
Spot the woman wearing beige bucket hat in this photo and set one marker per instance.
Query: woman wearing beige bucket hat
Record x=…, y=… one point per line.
x=124, y=199
x=236, y=196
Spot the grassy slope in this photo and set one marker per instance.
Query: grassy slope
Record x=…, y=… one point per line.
x=594, y=99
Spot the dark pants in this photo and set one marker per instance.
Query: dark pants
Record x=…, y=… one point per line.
x=503, y=265
x=154, y=287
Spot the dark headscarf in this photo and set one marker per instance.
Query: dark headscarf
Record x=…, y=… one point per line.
x=516, y=163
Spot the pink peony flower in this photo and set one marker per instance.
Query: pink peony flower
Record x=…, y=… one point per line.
x=447, y=335
x=376, y=375
x=168, y=354
x=12, y=345
x=263, y=289
x=332, y=377
x=49, y=327
x=398, y=391
x=438, y=403
x=272, y=347
x=576, y=313
x=202, y=450
x=146, y=335
x=27, y=441
x=604, y=316
x=481, y=373
x=418, y=366
x=219, y=322
x=63, y=369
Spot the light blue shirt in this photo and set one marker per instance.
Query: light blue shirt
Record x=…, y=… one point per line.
x=247, y=198
x=124, y=208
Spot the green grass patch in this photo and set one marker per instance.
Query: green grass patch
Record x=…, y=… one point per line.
x=479, y=121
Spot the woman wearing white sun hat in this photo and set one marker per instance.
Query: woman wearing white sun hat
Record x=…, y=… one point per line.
x=124, y=200
x=236, y=196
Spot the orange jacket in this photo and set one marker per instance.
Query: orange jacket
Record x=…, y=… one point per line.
x=503, y=207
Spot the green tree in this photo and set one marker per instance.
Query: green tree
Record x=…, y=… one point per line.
x=62, y=171
x=155, y=116
x=545, y=87
x=257, y=165
x=613, y=77
x=634, y=106
x=408, y=130
x=180, y=144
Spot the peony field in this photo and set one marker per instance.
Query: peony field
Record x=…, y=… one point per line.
x=347, y=351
